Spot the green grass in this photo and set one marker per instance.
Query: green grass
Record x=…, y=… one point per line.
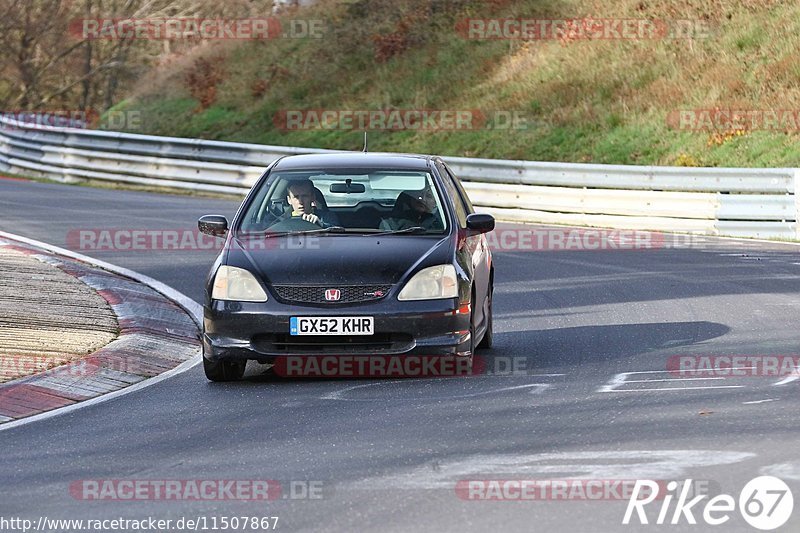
x=584, y=101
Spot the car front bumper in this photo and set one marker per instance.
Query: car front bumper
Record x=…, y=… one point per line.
x=260, y=331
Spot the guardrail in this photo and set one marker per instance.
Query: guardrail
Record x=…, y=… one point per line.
x=720, y=201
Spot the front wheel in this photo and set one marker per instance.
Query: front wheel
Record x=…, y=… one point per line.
x=224, y=370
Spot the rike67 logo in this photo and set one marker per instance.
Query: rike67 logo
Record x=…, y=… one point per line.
x=765, y=503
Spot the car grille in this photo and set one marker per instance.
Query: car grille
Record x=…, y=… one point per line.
x=327, y=344
x=316, y=293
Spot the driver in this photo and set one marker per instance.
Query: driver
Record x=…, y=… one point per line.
x=301, y=199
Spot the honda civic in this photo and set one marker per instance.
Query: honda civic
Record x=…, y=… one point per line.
x=348, y=253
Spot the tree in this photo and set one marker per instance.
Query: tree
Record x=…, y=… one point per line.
x=47, y=62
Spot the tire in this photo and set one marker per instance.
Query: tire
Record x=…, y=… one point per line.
x=472, y=344
x=224, y=370
x=471, y=336
x=488, y=337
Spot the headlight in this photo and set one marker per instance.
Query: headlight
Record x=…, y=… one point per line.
x=232, y=283
x=431, y=283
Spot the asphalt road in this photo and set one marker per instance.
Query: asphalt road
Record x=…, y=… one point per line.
x=594, y=331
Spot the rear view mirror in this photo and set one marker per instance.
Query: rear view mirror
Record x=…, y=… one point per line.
x=214, y=225
x=348, y=187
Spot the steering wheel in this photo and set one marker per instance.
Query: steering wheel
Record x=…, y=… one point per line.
x=293, y=224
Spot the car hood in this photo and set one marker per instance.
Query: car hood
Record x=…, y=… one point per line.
x=338, y=259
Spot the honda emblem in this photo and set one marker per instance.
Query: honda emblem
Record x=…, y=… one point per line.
x=333, y=295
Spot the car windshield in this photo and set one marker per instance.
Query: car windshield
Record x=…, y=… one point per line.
x=346, y=201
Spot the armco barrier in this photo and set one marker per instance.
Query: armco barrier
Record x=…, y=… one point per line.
x=722, y=201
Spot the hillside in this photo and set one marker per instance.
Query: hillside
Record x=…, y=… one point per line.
x=610, y=100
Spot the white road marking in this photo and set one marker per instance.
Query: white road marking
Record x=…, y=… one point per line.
x=787, y=379
x=637, y=464
x=340, y=394
x=621, y=379
x=669, y=379
x=660, y=389
x=616, y=381
x=782, y=471
x=675, y=342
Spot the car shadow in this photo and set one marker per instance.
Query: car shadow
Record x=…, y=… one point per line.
x=556, y=349
x=575, y=347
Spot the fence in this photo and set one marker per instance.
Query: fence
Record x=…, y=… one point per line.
x=720, y=201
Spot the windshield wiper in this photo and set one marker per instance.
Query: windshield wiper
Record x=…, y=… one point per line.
x=329, y=229
x=412, y=229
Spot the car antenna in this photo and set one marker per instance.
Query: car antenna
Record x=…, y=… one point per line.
x=365, y=142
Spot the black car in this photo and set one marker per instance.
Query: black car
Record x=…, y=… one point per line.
x=348, y=254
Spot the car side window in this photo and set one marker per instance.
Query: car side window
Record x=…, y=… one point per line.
x=462, y=192
x=452, y=191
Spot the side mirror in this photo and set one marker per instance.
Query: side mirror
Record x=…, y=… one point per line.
x=214, y=225
x=480, y=222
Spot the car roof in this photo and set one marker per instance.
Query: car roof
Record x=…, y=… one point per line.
x=354, y=160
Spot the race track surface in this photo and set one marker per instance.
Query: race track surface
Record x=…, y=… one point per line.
x=593, y=331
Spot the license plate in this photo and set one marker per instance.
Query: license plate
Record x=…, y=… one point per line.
x=335, y=325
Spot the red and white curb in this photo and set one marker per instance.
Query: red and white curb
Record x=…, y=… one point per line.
x=159, y=337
